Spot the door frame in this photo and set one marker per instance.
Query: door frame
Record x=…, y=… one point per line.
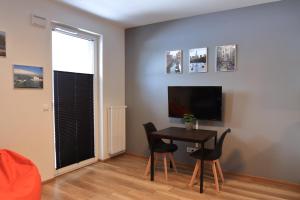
x=98, y=93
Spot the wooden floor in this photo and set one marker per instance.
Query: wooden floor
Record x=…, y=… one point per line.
x=122, y=178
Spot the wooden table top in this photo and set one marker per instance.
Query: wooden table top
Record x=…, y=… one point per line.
x=182, y=134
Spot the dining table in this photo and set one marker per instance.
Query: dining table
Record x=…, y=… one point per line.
x=200, y=136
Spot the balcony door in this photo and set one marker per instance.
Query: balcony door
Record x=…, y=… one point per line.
x=74, y=61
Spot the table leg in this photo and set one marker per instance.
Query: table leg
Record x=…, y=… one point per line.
x=152, y=163
x=171, y=165
x=202, y=167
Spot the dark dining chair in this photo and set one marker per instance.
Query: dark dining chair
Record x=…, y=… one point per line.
x=212, y=155
x=160, y=148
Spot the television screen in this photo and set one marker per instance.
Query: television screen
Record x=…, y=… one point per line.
x=204, y=102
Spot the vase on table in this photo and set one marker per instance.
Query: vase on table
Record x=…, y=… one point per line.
x=188, y=125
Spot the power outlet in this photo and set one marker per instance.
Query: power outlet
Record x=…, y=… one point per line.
x=191, y=149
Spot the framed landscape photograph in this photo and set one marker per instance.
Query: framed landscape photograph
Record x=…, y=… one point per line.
x=226, y=58
x=198, y=60
x=2, y=44
x=28, y=76
x=174, y=62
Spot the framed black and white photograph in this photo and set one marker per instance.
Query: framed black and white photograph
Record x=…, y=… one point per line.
x=198, y=60
x=174, y=62
x=28, y=76
x=2, y=44
x=226, y=58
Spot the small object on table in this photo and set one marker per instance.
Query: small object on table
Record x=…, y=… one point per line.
x=189, y=121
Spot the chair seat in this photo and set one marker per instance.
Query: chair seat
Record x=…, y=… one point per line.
x=165, y=148
x=209, y=154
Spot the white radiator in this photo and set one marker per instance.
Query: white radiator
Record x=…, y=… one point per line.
x=117, y=129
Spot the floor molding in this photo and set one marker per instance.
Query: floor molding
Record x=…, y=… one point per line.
x=240, y=176
x=123, y=177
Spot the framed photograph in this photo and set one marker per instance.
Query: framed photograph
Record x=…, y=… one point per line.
x=2, y=44
x=226, y=58
x=174, y=62
x=198, y=60
x=28, y=76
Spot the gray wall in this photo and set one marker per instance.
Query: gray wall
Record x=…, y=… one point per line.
x=261, y=99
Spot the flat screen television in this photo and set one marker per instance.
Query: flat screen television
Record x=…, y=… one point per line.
x=204, y=102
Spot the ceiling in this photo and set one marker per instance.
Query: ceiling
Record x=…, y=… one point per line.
x=131, y=13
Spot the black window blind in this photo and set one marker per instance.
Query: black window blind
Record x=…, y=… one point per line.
x=74, y=117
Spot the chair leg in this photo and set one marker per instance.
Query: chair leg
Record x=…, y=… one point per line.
x=215, y=175
x=220, y=170
x=196, y=170
x=198, y=174
x=165, y=166
x=147, y=171
x=148, y=167
x=173, y=161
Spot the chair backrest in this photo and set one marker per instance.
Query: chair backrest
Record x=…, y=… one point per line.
x=149, y=129
x=221, y=141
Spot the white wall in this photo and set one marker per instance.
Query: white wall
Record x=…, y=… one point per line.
x=24, y=126
x=261, y=99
